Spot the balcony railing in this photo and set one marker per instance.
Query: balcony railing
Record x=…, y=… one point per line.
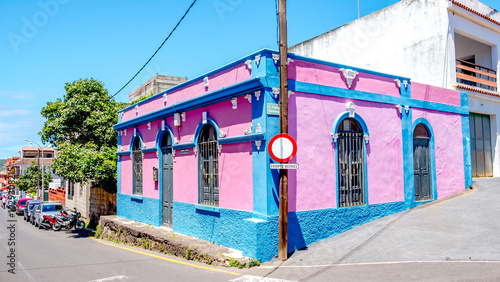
x=475, y=75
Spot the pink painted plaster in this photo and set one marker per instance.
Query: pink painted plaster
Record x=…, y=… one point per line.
x=449, y=157
x=313, y=185
x=434, y=94
x=126, y=175
x=217, y=81
x=331, y=76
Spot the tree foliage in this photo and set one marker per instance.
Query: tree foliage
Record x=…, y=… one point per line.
x=80, y=126
x=30, y=178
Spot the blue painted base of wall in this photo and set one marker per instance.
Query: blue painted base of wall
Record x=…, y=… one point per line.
x=257, y=236
x=142, y=209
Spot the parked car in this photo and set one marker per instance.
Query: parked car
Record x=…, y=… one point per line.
x=29, y=208
x=21, y=205
x=48, y=209
x=31, y=218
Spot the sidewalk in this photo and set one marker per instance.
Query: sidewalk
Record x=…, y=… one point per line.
x=461, y=227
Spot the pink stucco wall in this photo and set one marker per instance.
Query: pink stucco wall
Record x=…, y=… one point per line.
x=434, y=94
x=449, y=160
x=235, y=160
x=331, y=76
x=313, y=185
x=217, y=81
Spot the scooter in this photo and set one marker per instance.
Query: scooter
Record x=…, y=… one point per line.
x=68, y=221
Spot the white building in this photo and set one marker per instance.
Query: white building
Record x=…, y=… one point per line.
x=447, y=43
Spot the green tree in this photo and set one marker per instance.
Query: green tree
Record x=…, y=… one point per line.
x=80, y=126
x=30, y=178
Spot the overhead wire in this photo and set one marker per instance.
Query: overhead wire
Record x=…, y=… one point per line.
x=158, y=49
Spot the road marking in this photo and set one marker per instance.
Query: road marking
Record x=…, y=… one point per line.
x=167, y=259
x=112, y=278
x=251, y=278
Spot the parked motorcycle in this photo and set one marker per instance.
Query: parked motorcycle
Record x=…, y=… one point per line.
x=68, y=221
x=48, y=222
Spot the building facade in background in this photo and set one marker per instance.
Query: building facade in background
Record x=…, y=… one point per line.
x=195, y=157
x=450, y=44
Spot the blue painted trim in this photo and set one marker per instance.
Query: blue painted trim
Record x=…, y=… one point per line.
x=160, y=134
x=200, y=127
x=132, y=140
x=407, y=137
x=336, y=124
x=119, y=174
x=372, y=97
x=183, y=146
x=122, y=153
x=432, y=152
x=207, y=99
x=464, y=99
x=137, y=198
x=467, y=151
x=149, y=150
x=241, y=139
x=210, y=209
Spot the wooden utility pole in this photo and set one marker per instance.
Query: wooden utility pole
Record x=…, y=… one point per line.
x=283, y=208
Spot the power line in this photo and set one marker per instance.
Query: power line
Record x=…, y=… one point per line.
x=178, y=23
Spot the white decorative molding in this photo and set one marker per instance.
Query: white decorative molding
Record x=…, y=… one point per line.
x=349, y=75
x=351, y=109
x=276, y=92
x=205, y=81
x=157, y=154
x=249, y=98
x=248, y=131
x=258, y=143
x=125, y=132
x=183, y=116
x=222, y=134
x=276, y=58
x=234, y=101
x=119, y=148
x=204, y=117
x=135, y=132
x=398, y=82
x=290, y=93
x=289, y=60
x=258, y=129
x=191, y=140
x=407, y=109
x=149, y=125
x=177, y=119
x=257, y=59
x=400, y=108
x=220, y=148
x=257, y=94
x=249, y=64
x=162, y=125
x=335, y=136
x=405, y=83
x=176, y=141
x=144, y=146
x=367, y=138
x=165, y=98
x=195, y=151
x=136, y=109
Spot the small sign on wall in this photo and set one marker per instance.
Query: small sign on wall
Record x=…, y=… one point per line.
x=185, y=152
x=273, y=109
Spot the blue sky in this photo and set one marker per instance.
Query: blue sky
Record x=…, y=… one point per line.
x=46, y=43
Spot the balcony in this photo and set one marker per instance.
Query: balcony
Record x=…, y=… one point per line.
x=469, y=74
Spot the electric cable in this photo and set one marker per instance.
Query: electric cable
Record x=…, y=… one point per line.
x=178, y=23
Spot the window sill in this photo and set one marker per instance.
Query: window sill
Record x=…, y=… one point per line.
x=210, y=209
x=136, y=198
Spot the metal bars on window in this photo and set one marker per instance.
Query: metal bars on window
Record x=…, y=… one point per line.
x=209, y=168
x=350, y=169
x=137, y=167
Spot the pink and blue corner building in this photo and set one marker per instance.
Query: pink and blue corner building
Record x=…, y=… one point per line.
x=195, y=157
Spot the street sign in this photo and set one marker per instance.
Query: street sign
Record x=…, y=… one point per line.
x=282, y=148
x=273, y=109
x=283, y=166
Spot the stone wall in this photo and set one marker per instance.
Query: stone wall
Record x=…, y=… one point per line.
x=101, y=203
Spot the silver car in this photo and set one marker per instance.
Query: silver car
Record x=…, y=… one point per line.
x=48, y=209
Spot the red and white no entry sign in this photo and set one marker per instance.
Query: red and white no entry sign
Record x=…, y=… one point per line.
x=282, y=148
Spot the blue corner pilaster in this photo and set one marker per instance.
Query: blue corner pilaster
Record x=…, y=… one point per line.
x=406, y=124
x=464, y=102
x=119, y=166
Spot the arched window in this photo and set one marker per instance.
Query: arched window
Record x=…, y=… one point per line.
x=208, y=166
x=137, y=167
x=350, y=154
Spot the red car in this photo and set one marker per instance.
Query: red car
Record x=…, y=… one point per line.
x=21, y=205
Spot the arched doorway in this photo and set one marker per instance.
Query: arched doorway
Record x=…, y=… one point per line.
x=422, y=163
x=350, y=154
x=167, y=184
